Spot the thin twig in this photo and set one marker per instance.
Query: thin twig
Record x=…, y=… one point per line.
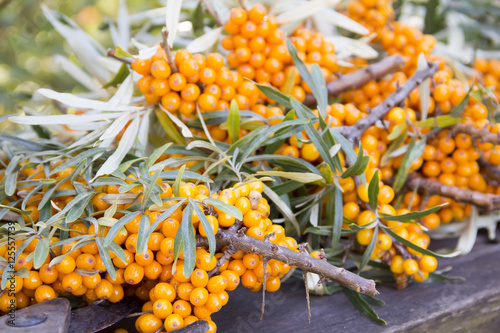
x=263, y=306
x=137, y=314
x=168, y=50
x=302, y=248
x=111, y=53
x=228, y=253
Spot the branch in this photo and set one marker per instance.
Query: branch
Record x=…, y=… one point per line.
x=168, y=50
x=111, y=53
x=491, y=171
x=357, y=79
x=482, y=200
x=355, y=131
x=301, y=260
x=480, y=134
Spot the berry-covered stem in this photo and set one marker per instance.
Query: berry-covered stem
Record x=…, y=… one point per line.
x=355, y=132
x=300, y=260
x=482, y=200
x=480, y=134
x=357, y=79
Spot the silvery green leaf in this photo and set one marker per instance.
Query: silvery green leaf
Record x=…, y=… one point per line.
x=343, y=21
x=302, y=177
x=184, y=129
x=304, y=10
x=123, y=24
x=127, y=141
x=283, y=208
x=64, y=119
x=205, y=42
x=172, y=20
x=123, y=95
x=112, y=131
x=86, y=49
x=79, y=75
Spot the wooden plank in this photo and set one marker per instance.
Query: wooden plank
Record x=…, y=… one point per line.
x=458, y=306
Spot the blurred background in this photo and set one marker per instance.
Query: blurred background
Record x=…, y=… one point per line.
x=29, y=43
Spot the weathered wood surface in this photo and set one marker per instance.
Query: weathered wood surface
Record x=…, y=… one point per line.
x=450, y=306
x=48, y=317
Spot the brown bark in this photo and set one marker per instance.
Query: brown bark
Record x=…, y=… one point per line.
x=355, y=131
x=357, y=79
x=301, y=260
x=480, y=134
x=482, y=200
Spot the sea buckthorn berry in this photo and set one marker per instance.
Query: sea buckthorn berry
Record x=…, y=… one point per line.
x=98, y=202
x=365, y=217
x=199, y=296
x=384, y=242
x=104, y=290
x=397, y=264
x=257, y=13
x=273, y=284
x=364, y=236
x=410, y=266
x=164, y=291
x=441, y=93
x=189, y=67
x=32, y=281
x=48, y=274
x=238, y=16
x=427, y=264
x=182, y=55
x=190, y=92
x=217, y=284
x=226, y=220
x=182, y=308
x=213, y=303
x=249, y=279
x=134, y=273
x=207, y=102
x=233, y=280
x=386, y=194
x=432, y=221
x=85, y=261
x=162, y=308
x=91, y=281
x=72, y=281
x=148, y=323
x=199, y=278
x=237, y=266
x=142, y=66
x=215, y=61
x=67, y=265
x=309, y=152
x=171, y=101
x=44, y=293
x=144, y=84
x=160, y=69
x=144, y=258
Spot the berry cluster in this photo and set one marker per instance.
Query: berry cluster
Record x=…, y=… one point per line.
x=489, y=70
x=76, y=267
x=259, y=52
x=372, y=14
